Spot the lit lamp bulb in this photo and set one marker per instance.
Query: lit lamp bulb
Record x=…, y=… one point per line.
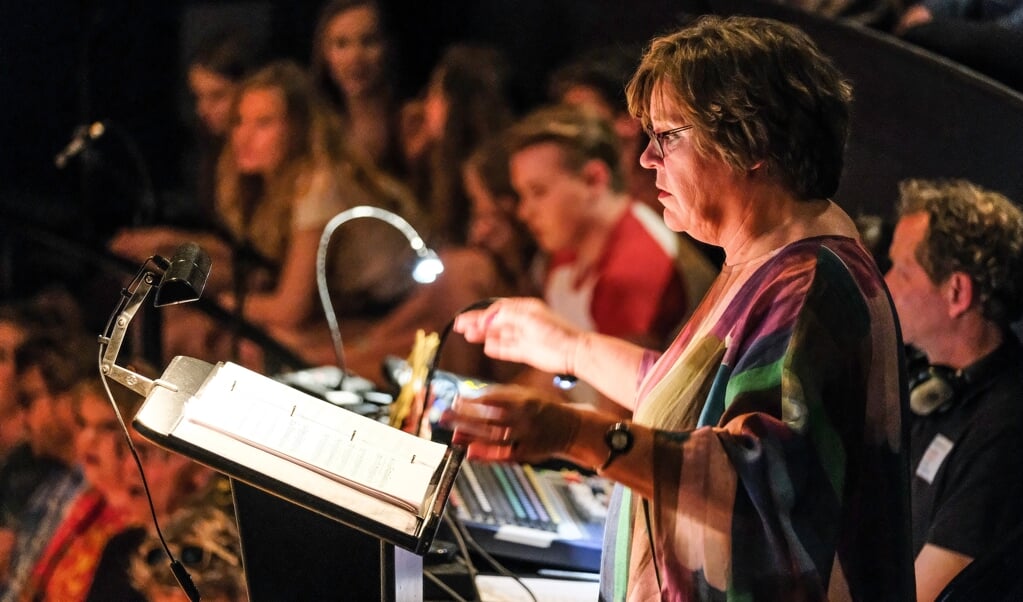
x=427, y=268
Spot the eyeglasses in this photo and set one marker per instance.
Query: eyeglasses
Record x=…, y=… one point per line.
x=664, y=139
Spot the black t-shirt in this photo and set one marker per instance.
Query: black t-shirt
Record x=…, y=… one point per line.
x=20, y=473
x=112, y=579
x=967, y=459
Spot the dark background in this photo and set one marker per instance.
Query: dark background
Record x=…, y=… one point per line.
x=70, y=63
x=63, y=64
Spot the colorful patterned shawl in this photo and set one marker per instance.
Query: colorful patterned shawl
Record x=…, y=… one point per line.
x=794, y=483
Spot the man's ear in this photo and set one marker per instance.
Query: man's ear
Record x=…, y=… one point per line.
x=959, y=294
x=596, y=174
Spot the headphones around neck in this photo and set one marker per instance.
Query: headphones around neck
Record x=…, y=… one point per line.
x=934, y=388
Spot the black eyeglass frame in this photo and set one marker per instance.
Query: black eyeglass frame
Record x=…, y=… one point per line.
x=658, y=138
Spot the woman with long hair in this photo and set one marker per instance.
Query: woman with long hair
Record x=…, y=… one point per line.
x=464, y=106
x=351, y=66
x=283, y=174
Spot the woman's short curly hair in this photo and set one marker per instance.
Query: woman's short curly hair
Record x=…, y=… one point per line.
x=974, y=231
x=757, y=91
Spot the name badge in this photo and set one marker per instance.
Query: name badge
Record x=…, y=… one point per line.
x=936, y=453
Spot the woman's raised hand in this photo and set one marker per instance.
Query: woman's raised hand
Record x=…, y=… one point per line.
x=523, y=330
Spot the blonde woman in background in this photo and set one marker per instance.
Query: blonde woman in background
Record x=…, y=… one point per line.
x=284, y=173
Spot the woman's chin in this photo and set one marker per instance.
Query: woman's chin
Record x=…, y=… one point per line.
x=674, y=222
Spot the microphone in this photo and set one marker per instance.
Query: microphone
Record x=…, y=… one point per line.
x=84, y=134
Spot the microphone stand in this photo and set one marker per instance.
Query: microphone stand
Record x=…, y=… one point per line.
x=427, y=268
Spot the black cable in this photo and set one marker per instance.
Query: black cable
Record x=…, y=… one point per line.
x=481, y=304
x=444, y=586
x=494, y=563
x=463, y=549
x=564, y=382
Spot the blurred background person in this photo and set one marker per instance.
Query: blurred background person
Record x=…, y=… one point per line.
x=497, y=261
x=286, y=172
x=596, y=81
x=174, y=481
x=42, y=477
x=67, y=564
x=465, y=104
x=352, y=66
x=12, y=419
x=216, y=68
x=52, y=311
x=957, y=283
x=612, y=263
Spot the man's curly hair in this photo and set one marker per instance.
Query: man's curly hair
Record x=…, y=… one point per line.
x=974, y=231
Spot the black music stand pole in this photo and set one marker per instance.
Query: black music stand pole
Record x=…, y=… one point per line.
x=291, y=553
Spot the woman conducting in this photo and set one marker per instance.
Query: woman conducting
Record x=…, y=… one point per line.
x=765, y=458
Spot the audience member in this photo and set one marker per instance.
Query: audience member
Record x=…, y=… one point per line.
x=40, y=478
x=175, y=481
x=49, y=311
x=112, y=472
x=12, y=419
x=493, y=224
x=65, y=569
x=284, y=175
x=215, y=69
x=352, y=65
x=597, y=81
x=982, y=34
x=957, y=283
x=765, y=460
x=613, y=265
x=204, y=538
x=497, y=262
x=465, y=105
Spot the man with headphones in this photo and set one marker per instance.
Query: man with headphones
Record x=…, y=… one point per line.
x=957, y=283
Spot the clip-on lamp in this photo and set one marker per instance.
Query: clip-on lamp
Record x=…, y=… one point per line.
x=182, y=280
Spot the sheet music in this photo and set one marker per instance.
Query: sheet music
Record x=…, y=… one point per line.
x=348, y=448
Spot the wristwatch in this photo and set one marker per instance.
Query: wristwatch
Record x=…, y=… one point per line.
x=619, y=440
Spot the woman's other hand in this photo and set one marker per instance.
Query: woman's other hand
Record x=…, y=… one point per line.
x=513, y=423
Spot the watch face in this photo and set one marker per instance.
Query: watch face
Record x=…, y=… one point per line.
x=619, y=438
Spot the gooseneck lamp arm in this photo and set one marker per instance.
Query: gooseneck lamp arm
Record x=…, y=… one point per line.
x=428, y=266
